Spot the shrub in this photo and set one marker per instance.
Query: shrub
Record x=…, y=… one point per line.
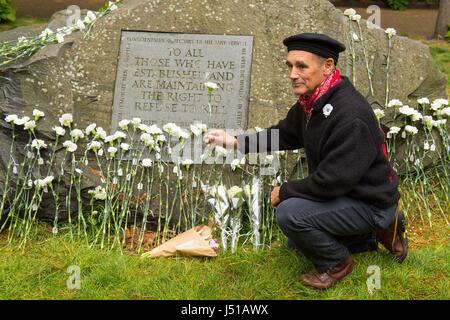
x=447, y=35
x=398, y=4
x=7, y=12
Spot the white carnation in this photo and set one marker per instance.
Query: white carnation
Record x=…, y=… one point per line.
x=38, y=114
x=123, y=124
x=91, y=15
x=38, y=144
x=30, y=125
x=147, y=162
x=120, y=135
x=445, y=112
x=390, y=32
x=90, y=128
x=211, y=85
x=81, y=25
x=11, y=118
x=76, y=134
x=195, y=130
x=70, y=146
x=100, y=133
x=66, y=120
x=411, y=130
x=235, y=164
x=21, y=121
x=136, y=122
x=406, y=110
x=220, y=151
x=112, y=151
x=187, y=163
x=154, y=130
x=394, y=103
x=98, y=193
x=125, y=146
x=60, y=131
x=60, y=38
x=356, y=17
x=94, y=145
x=423, y=101
x=349, y=12
x=438, y=104
x=379, y=113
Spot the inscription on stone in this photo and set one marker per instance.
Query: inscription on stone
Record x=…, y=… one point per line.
x=161, y=78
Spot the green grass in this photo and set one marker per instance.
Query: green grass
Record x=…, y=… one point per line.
x=22, y=22
x=440, y=51
x=41, y=273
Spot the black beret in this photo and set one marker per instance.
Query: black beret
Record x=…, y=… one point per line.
x=316, y=43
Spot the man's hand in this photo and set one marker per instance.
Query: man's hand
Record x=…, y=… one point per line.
x=275, y=197
x=219, y=137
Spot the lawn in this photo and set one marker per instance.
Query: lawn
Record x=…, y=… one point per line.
x=20, y=22
x=440, y=51
x=41, y=273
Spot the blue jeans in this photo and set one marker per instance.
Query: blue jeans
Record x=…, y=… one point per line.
x=317, y=228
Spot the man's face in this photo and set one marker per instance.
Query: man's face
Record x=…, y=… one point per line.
x=306, y=71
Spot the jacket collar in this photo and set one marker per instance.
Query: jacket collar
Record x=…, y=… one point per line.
x=320, y=103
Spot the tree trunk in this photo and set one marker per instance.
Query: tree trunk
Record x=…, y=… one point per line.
x=443, y=19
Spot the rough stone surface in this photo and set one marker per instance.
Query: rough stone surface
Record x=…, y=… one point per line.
x=80, y=79
x=78, y=76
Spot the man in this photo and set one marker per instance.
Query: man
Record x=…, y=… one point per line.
x=351, y=189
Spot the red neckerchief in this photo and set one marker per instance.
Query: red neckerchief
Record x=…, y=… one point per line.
x=330, y=81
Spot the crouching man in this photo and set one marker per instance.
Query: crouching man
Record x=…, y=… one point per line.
x=351, y=190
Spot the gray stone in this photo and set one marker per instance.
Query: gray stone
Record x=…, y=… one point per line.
x=25, y=31
x=166, y=84
x=86, y=71
x=79, y=75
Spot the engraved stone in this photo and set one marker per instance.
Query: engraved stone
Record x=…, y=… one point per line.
x=161, y=78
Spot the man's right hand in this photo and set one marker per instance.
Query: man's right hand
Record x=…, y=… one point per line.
x=219, y=137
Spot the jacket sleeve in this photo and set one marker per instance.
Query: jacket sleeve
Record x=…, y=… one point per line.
x=346, y=156
x=286, y=135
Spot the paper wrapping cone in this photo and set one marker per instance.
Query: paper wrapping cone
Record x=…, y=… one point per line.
x=189, y=243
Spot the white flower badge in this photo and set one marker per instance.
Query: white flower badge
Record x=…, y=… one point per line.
x=327, y=110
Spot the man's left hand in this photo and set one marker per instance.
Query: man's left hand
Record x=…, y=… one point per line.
x=275, y=197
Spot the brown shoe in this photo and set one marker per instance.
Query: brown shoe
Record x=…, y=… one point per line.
x=393, y=238
x=328, y=279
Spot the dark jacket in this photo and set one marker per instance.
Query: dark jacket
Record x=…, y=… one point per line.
x=346, y=150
